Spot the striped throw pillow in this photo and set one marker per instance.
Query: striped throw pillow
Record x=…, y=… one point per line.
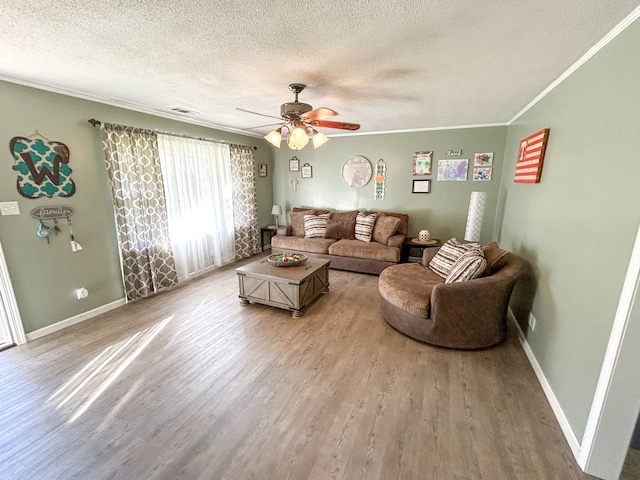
x=469, y=266
x=315, y=226
x=364, y=226
x=448, y=254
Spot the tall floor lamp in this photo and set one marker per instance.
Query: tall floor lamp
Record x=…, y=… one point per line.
x=477, y=204
x=275, y=211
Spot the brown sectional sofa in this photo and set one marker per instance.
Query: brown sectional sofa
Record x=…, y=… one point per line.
x=345, y=253
x=466, y=315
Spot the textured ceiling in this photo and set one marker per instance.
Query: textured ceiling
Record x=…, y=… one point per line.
x=388, y=65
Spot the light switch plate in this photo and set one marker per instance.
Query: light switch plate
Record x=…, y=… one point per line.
x=9, y=208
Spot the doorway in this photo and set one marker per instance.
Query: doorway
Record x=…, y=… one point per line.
x=11, y=329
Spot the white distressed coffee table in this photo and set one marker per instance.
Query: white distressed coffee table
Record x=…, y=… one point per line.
x=290, y=288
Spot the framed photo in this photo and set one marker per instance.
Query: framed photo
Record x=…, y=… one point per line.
x=421, y=186
x=262, y=170
x=422, y=163
x=307, y=171
x=482, y=174
x=453, y=170
x=294, y=164
x=483, y=159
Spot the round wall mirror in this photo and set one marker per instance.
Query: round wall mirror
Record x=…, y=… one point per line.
x=356, y=171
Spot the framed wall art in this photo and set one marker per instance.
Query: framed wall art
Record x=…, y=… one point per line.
x=483, y=159
x=421, y=186
x=530, y=157
x=294, y=164
x=307, y=171
x=262, y=170
x=482, y=174
x=422, y=163
x=453, y=170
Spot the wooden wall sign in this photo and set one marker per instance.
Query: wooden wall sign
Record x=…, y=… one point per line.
x=530, y=157
x=42, y=167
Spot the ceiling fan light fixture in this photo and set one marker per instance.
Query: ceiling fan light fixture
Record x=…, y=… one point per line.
x=298, y=139
x=274, y=137
x=319, y=139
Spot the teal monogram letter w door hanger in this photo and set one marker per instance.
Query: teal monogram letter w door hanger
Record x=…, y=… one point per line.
x=42, y=167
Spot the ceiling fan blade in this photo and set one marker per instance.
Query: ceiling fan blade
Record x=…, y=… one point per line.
x=256, y=113
x=319, y=113
x=267, y=125
x=331, y=124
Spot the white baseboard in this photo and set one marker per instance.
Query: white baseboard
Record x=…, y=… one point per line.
x=73, y=320
x=572, y=440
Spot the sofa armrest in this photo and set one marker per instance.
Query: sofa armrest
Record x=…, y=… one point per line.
x=428, y=254
x=396, y=240
x=285, y=230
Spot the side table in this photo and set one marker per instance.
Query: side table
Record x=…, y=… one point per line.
x=409, y=244
x=269, y=232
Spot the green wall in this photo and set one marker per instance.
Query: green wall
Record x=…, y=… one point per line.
x=578, y=225
x=443, y=212
x=45, y=276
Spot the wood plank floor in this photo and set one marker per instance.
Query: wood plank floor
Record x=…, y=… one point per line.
x=190, y=384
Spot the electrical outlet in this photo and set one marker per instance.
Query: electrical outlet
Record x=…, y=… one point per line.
x=9, y=208
x=532, y=321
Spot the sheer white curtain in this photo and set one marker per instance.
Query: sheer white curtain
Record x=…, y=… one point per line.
x=199, y=195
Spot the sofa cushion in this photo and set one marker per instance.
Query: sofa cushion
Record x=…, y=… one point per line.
x=408, y=286
x=496, y=258
x=364, y=226
x=341, y=225
x=369, y=251
x=315, y=226
x=300, y=244
x=384, y=228
x=297, y=220
x=447, y=255
x=469, y=266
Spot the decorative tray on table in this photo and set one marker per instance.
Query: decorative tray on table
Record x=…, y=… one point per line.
x=287, y=259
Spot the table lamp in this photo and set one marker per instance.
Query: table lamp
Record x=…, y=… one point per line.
x=275, y=211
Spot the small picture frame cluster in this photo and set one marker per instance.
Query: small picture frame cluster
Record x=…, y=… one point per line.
x=262, y=170
x=421, y=186
x=482, y=167
x=294, y=164
x=307, y=171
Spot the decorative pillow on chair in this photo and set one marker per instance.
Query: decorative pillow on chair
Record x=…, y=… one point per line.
x=496, y=258
x=364, y=226
x=341, y=225
x=448, y=254
x=315, y=226
x=384, y=228
x=469, y=266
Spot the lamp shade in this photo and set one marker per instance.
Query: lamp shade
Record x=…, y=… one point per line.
x=319, y=139
x=298, y=139
x=477, y=205
x=274, y=137
x=276, y=210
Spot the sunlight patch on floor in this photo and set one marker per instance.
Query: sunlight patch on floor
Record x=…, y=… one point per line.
x=86, y=386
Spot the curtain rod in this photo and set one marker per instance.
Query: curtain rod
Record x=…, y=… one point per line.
x=95, y=123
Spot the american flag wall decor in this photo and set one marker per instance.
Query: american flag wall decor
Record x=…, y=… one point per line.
x=530, y=157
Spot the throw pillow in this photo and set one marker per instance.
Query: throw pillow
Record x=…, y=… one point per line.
x=297, y=221
x=469, y=266
x=341, y=225
x=496, y=258
x=315, y=226
x=384, y=228
x=364, y=226
x=448, y=254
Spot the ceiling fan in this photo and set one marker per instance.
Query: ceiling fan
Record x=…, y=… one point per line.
x=300, y=120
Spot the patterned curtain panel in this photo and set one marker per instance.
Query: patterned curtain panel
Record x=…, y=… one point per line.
x=136, y=182
x=245, y=216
